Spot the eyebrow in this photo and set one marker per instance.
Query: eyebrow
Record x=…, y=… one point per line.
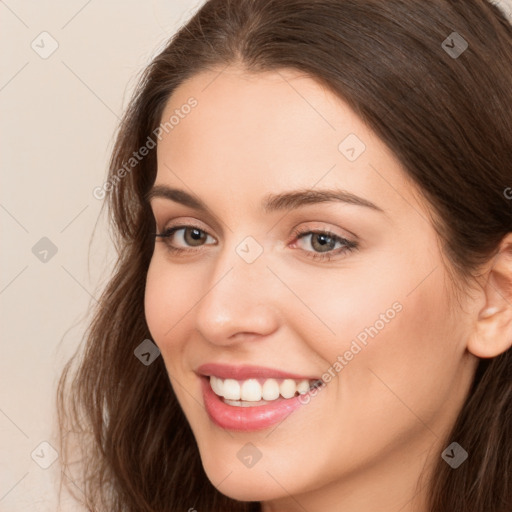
x=271, y=202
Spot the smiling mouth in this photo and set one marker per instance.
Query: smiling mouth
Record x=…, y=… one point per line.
x=248, y=397
x=257, y=392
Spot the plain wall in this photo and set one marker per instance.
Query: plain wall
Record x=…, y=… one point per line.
x=58, y=118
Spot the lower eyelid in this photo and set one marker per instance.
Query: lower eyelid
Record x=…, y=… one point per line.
x=345, y=243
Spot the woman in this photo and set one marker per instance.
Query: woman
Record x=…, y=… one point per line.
x=312, y=305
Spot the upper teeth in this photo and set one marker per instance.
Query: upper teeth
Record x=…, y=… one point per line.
x=252, y=391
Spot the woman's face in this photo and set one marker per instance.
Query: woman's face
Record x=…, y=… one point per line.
x=250, y=297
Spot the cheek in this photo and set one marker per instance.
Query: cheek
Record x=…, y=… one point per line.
x=424, y=346
x=172, y=293
x=405, y=368
x=347, y=308
x=156, y=302
x=387, y=334
x=164, y=303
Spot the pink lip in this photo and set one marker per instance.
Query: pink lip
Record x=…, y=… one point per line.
x=244, y=372
x=245, y=419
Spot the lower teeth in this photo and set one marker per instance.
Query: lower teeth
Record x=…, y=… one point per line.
x=244, y=403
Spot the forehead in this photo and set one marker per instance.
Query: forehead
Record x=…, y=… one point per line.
x=249, y=133
x=277, y=111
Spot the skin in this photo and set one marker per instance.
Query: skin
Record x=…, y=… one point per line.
x=363, y=440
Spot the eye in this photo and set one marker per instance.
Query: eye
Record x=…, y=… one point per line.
x=191, y=236
x=324, y=243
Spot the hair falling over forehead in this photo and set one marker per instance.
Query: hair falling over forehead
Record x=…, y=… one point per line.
x=447, y=119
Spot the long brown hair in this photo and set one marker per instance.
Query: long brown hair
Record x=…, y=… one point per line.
x=447, y=118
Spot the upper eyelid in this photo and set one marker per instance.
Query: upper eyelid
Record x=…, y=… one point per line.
x=159, y=212
x=297, y=230
x=189, y=223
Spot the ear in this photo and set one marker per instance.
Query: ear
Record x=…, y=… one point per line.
x=492, y=334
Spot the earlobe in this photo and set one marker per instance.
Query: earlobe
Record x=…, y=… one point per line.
x=492, y=334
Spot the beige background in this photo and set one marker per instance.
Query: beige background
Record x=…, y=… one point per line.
x=59, y=115
x=58, y=118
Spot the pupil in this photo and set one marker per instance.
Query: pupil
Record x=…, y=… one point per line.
x=323, y=240
x=195, y=235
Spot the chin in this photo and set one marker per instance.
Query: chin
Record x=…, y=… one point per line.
x=238, y=482
x=244, y=485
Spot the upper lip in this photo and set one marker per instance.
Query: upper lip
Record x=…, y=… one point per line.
x=243, y=372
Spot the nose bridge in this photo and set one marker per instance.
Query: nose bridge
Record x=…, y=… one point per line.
x=238, y=298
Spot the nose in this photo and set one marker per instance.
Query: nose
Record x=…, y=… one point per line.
x=240, y=303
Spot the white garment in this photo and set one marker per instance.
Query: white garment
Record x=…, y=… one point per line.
x=505, y=6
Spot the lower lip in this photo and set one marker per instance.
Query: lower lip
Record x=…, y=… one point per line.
x=245, y=419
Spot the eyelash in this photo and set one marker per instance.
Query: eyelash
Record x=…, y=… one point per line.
x=348, y=245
